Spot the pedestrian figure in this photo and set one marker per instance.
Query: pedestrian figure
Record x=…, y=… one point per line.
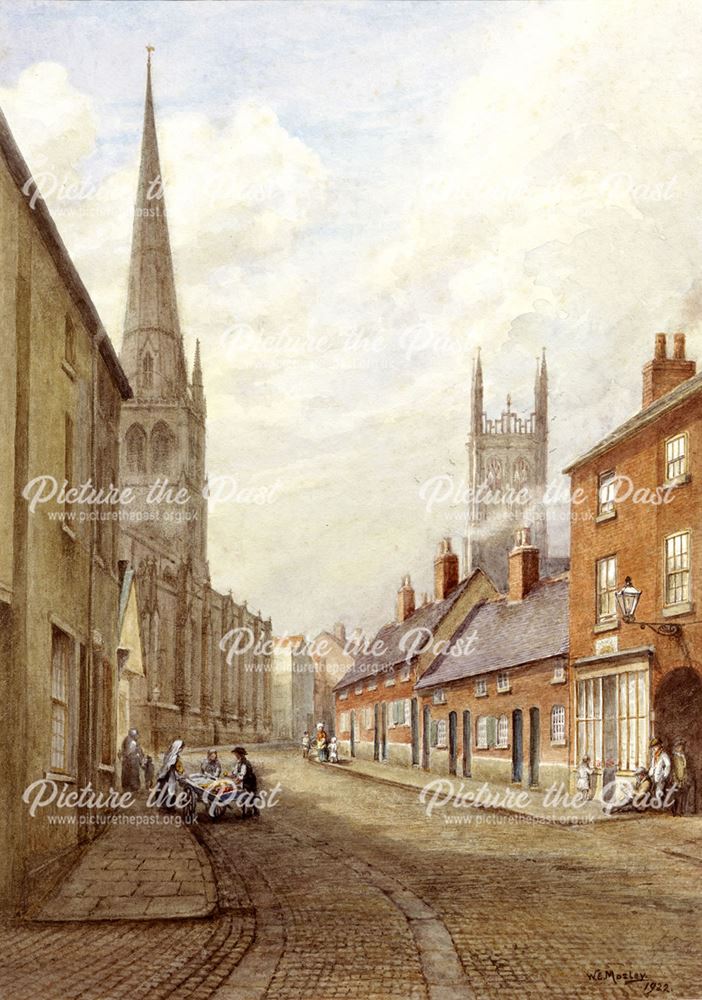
x=639, y=794
x=211, y=765
x=583, y=779
x=245, y=776
x=149, y=772
x=333, y=751
x=321, y=742
x=132, y=758
x=681, y=778
x=167, y=779
x=659, y=771
x=306, y=745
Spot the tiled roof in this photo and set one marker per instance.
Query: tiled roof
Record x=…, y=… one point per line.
x=388, y=641
x=679, y=394
x=500, y=634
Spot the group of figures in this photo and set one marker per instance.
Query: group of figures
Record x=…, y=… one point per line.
x=327, y=749
x=664, y=784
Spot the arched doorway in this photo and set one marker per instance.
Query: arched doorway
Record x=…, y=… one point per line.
x=517, y=745
x=534, y=746
x=467, y=745
x=415, y=733
x=352, y=742
x=678, y=713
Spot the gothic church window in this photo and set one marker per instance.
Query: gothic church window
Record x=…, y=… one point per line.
x=494, y=474
x=136, y=448
x=162, y=448
x=147, y=371
x=521, y=471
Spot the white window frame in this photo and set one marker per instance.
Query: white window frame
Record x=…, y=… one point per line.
x=676, y=457
x=390, y=680
x=441, y=733
x=359, y=688
x=481, y=688
x=559, y=675
x=629, y=712
x=503, y=682
x=405, y=673
x=63, y=655
x=605, y=587
x=558, y=725
x=439, y=697
x=677, y=568
x=343, y=695
x=481, y=739
x=502, y=732
x=372, y=684
x=606, y=493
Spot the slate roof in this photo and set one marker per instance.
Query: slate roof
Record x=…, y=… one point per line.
x=678, y=395
x=388, y=638
x=500, y=634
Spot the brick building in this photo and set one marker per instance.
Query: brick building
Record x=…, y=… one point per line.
x=494, y=704
x=377, y=709
x=637, y=506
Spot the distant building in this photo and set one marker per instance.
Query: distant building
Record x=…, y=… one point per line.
x=630, y=683
x=292, y=691
x=507, y=479
x=333, y=656
x=69, y=635
x=192, y=689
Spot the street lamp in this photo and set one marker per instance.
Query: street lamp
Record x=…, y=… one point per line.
x=628, y=600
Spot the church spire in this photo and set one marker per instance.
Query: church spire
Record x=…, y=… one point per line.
x=477, y=397
x=152, y=349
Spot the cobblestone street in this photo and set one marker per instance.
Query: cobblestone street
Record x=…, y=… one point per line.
x=345, y=889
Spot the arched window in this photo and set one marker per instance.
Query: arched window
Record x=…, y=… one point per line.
x=493, y=475
x=441, y=733
x=521, y=472
x=558, y=724
x=135, y=441
x=147, y=371
x=502, y=731
x=162, y=448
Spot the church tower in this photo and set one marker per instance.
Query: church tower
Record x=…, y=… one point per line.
x=507, y=478
x=164, y=425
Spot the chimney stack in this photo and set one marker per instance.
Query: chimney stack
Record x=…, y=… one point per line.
x=340, y=631
x=405, y=600
x=523, y=566
x=445, y=570
x=662, y=374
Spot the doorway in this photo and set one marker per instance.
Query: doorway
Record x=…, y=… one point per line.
x=678, y=713
x=467, y=744
x=376, y=732
x=453, y=741
x=415, y=732
x=534, y=746
x=352, y=741
x=426, y=737
x=384, y=732
x=517, y=745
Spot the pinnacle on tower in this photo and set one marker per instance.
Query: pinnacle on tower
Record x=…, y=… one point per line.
x=196, y=387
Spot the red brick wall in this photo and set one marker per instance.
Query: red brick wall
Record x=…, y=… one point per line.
x=637, y=535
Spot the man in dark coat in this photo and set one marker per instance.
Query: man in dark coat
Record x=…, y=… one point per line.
x=132, y=759
x=245, y=777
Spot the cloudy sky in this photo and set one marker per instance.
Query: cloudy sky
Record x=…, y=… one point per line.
x=359, y=195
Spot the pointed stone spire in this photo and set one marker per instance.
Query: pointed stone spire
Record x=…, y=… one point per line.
x=197, y=389
x=477, y=396
x=152, y=349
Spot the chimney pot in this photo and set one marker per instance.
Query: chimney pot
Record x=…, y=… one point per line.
x=661, y=347
x=663, y=374
x=405, y=600
x=679, y=346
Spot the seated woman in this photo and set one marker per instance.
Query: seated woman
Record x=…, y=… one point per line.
x=211, y=766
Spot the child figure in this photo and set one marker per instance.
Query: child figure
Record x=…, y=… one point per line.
x=583, y=780
x=305, y=745
x=333, y=751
